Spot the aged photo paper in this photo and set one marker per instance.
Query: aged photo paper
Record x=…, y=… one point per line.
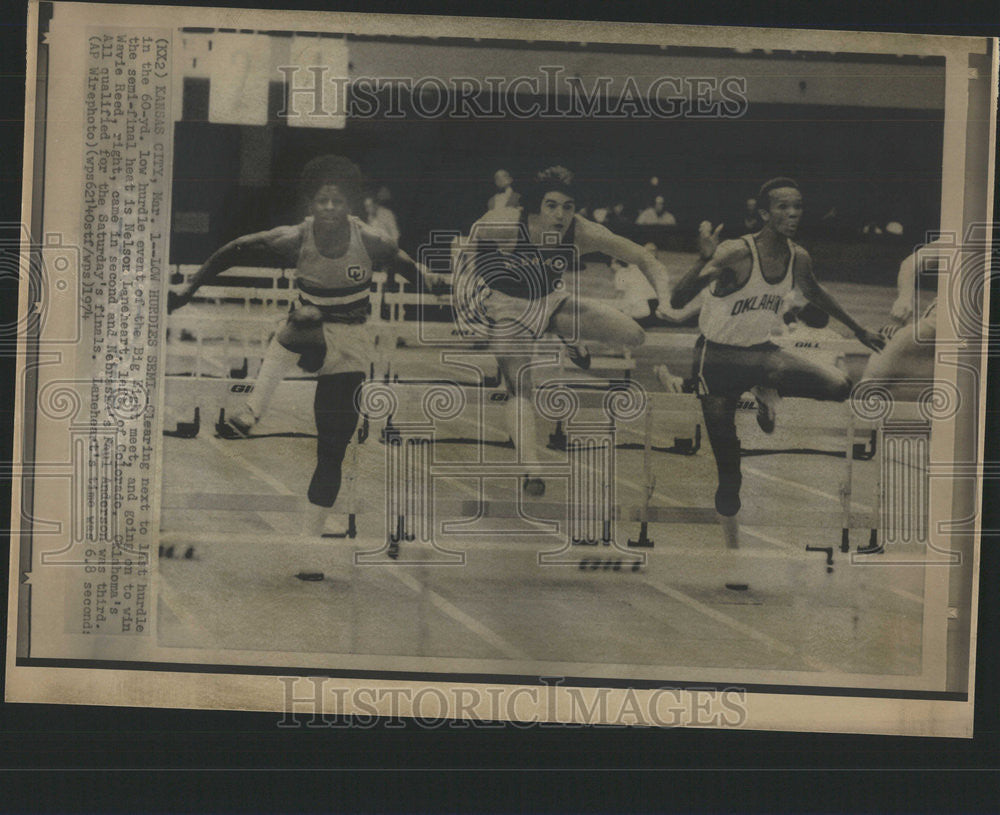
x=500, y=370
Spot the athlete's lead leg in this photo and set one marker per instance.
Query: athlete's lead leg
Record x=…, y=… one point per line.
x=278, y=363
x=580, y=319
x=792, y=375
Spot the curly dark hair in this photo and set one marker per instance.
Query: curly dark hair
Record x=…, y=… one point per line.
x=551, y=179
x=332, y=169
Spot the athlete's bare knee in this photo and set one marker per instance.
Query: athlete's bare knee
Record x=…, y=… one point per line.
x=840, y=389
x=634, y=336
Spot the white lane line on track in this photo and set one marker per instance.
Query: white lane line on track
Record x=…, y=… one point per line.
x=470, y=623
x=906, y=595
x=790, y=547
x=169, y=598
x=804, y=487
x=718, y=616
x=226, y=450
x=736, y=625
x=619, y=479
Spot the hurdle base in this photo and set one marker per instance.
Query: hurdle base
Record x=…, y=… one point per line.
x=187, y=430
x=644, y=541
x=351, y=531
x=241, y=372
x=828, y=551
x=557, y=439
x=395, y=537
x=873, y=547
x=865, y=452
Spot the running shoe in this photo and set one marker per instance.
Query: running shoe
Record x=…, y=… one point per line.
x=238, y=426
x=579, y=356
x=767, y=404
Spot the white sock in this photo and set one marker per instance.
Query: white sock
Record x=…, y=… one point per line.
x=730, y=531
x=278, y=363
x=313, y=520
x=526, y=427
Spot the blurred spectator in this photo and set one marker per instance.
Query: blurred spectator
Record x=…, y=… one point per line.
x=656, y=215
x=505, y=195
x=636, y=297
x=617, y=220
x=894, y=228
x=601, y=214
x=751, y=217
x=381, y=218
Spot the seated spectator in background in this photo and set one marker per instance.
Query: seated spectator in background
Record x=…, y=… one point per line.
x=636, y=298
x=751, y=217
x=601, y=214
x=617, y=220
x=505, y=195
x=381, y=219
x=656, y=215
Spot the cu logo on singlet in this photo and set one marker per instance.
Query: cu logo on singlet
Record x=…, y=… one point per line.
x=355, y=272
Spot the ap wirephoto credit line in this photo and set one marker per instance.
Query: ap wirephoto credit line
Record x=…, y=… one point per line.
x=480, y=370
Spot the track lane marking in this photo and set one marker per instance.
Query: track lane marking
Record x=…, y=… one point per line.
x=736, y=625
x=468, y=622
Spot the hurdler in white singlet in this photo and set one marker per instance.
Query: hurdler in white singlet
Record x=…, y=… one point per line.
x=341, y=286
x=749, y=315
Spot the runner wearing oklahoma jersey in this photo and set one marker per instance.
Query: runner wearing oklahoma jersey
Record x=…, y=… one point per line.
x=748, y=280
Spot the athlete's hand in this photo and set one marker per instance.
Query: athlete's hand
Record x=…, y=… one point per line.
x=436, y=283
x=902, y=309
x=676, y=315
x=176, y=300
x=708, y=239
x=672, y=383
x=870, y=339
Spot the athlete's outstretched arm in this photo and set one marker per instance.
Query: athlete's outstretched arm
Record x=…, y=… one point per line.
x=384, y=251
x=705, y=271
x=419, y=274
x=902, y=308
x=592, y=237
x=275, y=247
x=806, y=282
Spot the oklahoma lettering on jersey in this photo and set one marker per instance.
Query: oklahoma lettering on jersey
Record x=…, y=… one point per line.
x=749, y=315
x=341, y=286
x=769, y=302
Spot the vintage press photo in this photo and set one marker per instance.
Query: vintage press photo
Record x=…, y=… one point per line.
x=500, y=369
